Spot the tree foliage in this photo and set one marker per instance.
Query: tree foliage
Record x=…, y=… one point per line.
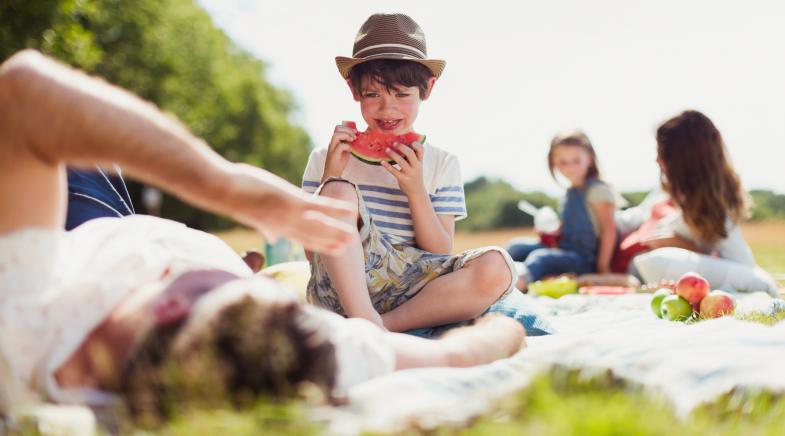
x=767, y=205
x=493, y=204
x=169, y=52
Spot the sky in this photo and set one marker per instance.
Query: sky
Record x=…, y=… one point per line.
x=519, y=72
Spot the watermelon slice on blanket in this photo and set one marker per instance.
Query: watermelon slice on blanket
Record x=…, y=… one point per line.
x=370, y=146
x=606, y=290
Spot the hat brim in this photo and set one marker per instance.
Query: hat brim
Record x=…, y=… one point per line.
x=344, y=64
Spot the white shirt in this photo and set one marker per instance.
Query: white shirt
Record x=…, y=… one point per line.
x=57, y=286
x=732, y=247
x=386, y=203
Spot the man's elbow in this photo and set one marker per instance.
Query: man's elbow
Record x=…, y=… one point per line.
x=15, y=74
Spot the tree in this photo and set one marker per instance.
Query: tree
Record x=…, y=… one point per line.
x=169, y=52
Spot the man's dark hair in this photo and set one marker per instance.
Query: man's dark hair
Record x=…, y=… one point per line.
x=248, y=349
x=392, y=74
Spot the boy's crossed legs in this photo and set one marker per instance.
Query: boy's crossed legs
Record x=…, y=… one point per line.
x=455, y=296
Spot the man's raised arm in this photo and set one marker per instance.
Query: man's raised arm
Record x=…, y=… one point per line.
x=51, y=114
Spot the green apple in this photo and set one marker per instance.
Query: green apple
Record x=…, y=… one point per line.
x=675, y=308
x=656, y=300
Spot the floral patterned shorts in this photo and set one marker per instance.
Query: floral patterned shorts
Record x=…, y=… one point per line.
x=394, y=272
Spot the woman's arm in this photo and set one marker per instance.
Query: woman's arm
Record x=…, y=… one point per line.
x=673, y=240
x=607, y=226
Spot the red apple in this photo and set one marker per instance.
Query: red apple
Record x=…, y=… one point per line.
x=717, y=304
x=692, y=287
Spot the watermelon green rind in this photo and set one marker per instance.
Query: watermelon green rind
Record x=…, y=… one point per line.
x=376, y=161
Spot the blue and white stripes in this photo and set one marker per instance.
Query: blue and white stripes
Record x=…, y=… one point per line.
x=389, y=207
x=386, y=203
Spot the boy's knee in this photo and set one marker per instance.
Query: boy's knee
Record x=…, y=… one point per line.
x=491, y=273
x=340, y=190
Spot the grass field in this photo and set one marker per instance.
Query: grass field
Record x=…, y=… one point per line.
x=767, y=240
x=555, y=403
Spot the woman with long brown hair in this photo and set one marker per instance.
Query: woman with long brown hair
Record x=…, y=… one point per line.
x=702, y=184
x=697, y=227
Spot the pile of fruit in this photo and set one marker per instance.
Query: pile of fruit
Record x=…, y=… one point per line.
x=690, y=298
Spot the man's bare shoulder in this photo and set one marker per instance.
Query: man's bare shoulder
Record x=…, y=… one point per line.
x=20, y=68
x=23, y=60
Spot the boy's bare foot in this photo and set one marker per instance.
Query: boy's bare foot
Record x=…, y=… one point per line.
x=254, y=259
x=522, y=285
x=492, y=337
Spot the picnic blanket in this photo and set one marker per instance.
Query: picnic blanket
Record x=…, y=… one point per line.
x=688, y=364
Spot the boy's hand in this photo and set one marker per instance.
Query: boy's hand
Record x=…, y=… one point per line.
x=338, y=151
x=409, y=158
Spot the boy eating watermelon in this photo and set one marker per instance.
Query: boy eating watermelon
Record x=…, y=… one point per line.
x=398, y=272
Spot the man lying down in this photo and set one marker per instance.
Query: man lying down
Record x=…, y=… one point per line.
x=148, y=309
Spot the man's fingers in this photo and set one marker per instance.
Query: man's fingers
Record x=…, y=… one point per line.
x=332, y=207
x=322, y=232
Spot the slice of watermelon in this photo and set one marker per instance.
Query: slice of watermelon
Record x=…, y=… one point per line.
x=370, y=146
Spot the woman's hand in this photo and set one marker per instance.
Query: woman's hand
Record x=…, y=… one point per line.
x=338, y=151
x=409, y=159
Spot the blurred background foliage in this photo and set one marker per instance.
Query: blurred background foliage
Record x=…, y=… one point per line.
x=493, y=204
x=169, y=52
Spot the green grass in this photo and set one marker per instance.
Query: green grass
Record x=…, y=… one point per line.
x=562, y=404
x=557, y=403
x=265, y=418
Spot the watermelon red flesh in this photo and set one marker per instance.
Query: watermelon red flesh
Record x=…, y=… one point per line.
x=370, y=146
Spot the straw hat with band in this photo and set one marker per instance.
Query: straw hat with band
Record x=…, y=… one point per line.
x=389, y=36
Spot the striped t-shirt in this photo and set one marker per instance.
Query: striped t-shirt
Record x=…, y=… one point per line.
x=387, y=204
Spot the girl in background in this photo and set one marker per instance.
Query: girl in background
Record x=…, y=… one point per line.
x=588, y=230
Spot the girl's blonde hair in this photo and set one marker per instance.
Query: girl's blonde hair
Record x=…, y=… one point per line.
x=698, y=175
x=575, y=138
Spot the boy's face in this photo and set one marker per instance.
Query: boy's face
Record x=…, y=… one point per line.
x=392, y=111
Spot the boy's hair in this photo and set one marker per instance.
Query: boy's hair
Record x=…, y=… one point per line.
x=391, y=73
x=249, y=348
x=575, y=138
x=698, y=175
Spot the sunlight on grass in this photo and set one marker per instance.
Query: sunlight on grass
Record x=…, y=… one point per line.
x=559, y=403
x=265, y=418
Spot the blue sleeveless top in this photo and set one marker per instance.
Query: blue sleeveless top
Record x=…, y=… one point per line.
x=95, y=194
x=577, y=232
